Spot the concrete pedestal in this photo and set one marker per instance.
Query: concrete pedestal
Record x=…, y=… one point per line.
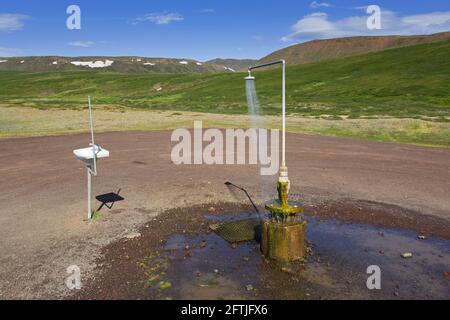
x=282, y=241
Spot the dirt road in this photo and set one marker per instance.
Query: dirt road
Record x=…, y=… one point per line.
x=43, y=193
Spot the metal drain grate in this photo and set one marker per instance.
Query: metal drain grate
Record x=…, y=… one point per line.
x=238, y=231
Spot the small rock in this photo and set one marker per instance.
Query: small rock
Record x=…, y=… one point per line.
x=407, y=255
x=211, y=209
x=246, y=258
x=396, y=294
x=249, y=287
x=216, y=271
x=133, y=235
x=203, y=244
x=422, y=237
x=233, y=245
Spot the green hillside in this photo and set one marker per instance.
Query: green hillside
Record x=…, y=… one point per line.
x=411, y=81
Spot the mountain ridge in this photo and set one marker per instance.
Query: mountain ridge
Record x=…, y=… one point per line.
x=328, y=49
x=121, y=64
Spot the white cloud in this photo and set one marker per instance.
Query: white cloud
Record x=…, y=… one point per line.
x=11, y=21
x=319, y=26
x=81, y=44
x=10, y=52
x=428, y=20
x=316, y=4
x=159, y=18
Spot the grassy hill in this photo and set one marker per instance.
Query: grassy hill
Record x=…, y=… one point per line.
x=235, y=64
x=411, y=81
x=321, y=50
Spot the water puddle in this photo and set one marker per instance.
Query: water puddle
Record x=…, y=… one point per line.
x=207, y=267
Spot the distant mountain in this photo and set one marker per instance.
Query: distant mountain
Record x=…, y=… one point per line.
x=320, y=50
x=127, y=65
x=234, y=64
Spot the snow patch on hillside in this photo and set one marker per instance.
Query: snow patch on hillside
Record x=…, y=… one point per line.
x=229, y=69
x=184, y=62
x=91, y=64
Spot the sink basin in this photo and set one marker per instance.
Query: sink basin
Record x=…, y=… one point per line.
x=87, y=154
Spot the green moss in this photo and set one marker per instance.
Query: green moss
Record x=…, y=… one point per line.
x=96, y=215
x=283, y=210
x=164, y=285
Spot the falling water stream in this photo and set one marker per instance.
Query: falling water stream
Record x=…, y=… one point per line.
x=256, y=121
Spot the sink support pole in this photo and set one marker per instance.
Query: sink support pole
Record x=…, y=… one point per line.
x=89, y=185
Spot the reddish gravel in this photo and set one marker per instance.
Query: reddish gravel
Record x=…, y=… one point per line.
x=43, y=194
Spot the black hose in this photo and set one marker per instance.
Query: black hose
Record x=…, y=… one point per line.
x=228, y=183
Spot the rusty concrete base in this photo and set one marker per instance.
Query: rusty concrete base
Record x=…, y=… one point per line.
x=283, y=242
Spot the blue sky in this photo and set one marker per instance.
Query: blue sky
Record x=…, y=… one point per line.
x=201, y=29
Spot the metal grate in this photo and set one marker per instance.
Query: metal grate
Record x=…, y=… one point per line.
x=238, y=231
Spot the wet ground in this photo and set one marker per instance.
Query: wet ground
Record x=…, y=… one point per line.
x=195, y=263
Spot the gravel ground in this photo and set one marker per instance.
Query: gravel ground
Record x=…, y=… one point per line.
x=42, y=226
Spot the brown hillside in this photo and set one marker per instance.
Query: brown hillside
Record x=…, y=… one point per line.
x=319, y=50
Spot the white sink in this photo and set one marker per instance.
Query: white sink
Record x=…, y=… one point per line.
x=87, y=154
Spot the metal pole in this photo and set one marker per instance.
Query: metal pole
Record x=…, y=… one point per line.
x=283, y=162
x=89, y=193
x=90, y=120
x=94, y=156
x=266, y=64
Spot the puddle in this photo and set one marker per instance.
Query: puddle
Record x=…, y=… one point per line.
x=207, y=267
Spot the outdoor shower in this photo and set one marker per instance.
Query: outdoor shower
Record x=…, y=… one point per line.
x=283, y=236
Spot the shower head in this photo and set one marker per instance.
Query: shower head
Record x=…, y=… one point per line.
x=250, y=77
